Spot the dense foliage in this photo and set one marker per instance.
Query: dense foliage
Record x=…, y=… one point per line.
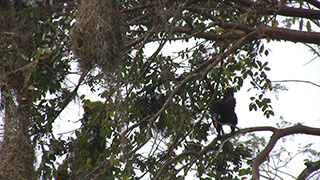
x=152, y=120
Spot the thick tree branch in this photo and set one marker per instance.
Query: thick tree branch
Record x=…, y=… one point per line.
x=315, y=3
x=237, y=31
x=298, y=12
x=284, y=11
x=27, y=67
x=291, y=35
x=268, y=32
x=279, y=133
x=263, y=31
x=311, y=167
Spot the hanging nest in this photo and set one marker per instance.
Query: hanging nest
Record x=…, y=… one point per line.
x=97, y=35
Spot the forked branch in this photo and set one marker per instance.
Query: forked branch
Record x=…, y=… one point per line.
x=278, y=134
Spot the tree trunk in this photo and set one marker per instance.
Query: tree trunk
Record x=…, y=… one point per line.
x=16, y=34
x=16, y=151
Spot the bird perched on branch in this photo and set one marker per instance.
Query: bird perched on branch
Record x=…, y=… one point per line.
x=222, y=111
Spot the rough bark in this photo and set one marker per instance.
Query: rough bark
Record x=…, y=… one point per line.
x=16, y=150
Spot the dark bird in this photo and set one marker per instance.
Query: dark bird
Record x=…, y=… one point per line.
x=223, y=111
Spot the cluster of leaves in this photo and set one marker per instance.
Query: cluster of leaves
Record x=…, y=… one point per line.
x=149, y=83
x=227, y=164
x=50, y=96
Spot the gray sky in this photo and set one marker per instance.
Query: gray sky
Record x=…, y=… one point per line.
x=301, y=103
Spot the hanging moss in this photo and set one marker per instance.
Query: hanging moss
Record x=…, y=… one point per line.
x=97, y=35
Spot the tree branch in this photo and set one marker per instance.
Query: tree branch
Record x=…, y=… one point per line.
x=134, y=42
x=315, y=3
x=291, y=35
x=69, y=98
x=279, y=133
x=284, y=11
x=301, y=81
x=264, y=31
x=274, y=33
x=210, y=145
x=201, y=71
x=299, y=12
x=145, y=40
x=311, y=167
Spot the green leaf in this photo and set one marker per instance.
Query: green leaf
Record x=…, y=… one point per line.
x=252, y=106
x=267, y=100
x=267, y=69
x=112, y=157
x=274, y=23
x=219, y=29
x=300, y=24
x=82, y=97
x=261, y=49
x=308, y=26
x=125, y=177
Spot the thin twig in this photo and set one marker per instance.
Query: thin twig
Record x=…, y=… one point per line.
x=145, y=40
x=70, y=97
x=300, y=81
